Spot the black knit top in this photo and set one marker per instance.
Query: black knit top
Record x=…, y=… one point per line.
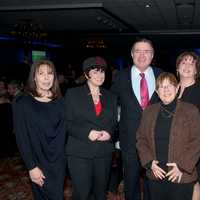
x=162, y=132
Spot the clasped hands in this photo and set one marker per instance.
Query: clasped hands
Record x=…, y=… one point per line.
x=173, y=175
x=99, y=135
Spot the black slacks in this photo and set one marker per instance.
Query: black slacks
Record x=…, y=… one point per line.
x=132, y=171
x=116, y=173
x=89, y=177
x=165, y=190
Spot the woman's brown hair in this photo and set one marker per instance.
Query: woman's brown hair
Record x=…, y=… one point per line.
x=166, y=76
x=31, y=86
x=195, y=57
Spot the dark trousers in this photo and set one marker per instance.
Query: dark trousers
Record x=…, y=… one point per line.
x=132, y=171
x=116, y=172
x=165, y=190
x=89, y=177
x=53, y=188
x=41, y=193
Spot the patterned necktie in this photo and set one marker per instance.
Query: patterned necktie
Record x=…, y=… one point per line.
x=144, y=93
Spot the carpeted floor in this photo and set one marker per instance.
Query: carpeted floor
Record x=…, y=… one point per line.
x=15, y=184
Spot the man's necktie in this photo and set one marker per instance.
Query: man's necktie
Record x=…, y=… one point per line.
x=144, y=93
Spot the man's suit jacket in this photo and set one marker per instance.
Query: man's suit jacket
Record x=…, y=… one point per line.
x=81, y=119
x=131, y=110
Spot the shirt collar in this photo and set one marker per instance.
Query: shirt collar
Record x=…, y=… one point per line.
x=137, y=72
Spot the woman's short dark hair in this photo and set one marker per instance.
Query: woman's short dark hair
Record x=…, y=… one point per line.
x=192, y=54
x=98, y=68
x=31, y=86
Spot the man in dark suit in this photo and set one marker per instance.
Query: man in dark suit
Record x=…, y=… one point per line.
x=135, y=88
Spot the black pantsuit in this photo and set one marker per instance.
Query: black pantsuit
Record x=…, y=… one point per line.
x=96, y=169
x=89, y=161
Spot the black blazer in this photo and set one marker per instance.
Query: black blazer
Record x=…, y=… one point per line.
x=81, y=119
x=131, y=110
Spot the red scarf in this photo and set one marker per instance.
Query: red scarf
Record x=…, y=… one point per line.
x=98, y=108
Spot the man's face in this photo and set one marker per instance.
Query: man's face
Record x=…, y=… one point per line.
x=142, y=55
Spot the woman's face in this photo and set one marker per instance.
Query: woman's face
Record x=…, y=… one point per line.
x=44, y=78
x=167, y=91
x=96, y=77
x=187, y=67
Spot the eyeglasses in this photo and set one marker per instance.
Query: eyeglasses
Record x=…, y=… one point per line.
x=137, y=51
x=163, y=87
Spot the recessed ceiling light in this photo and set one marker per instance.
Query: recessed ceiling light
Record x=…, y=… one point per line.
x=147, y=6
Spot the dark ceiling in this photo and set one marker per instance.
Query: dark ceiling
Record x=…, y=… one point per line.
x=174, y=20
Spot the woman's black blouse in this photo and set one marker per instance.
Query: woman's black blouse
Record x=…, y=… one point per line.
x=40, y=130
x=191, y=94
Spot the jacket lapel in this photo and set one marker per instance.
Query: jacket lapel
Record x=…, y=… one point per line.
x=154, y=97
x=153, y=120
x=104, y=103
x=88, y=102
x=130, y=91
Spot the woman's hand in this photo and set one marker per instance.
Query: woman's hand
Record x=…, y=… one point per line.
x=94, y=135
x=37, y=176
x=174, y=173
x=104, y=136
x=157, y=171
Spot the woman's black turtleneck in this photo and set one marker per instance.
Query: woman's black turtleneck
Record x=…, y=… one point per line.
x=162, y=132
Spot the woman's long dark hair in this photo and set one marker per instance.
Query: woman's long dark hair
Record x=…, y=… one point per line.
x=31, y=85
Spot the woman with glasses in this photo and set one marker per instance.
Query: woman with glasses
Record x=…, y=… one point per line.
x=168, y=143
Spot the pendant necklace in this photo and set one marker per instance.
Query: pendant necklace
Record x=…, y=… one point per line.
x=166, y=113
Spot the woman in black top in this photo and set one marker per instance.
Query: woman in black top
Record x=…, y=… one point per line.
x=91, y=118
x=40, y=131
x=188, y=67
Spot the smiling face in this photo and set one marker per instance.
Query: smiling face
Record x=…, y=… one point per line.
x=187, y=67
x=166, y=91
x=142, y=55
x=96, y=77
x=44, y=78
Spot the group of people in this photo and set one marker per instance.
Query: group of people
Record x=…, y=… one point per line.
x=159, y=129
